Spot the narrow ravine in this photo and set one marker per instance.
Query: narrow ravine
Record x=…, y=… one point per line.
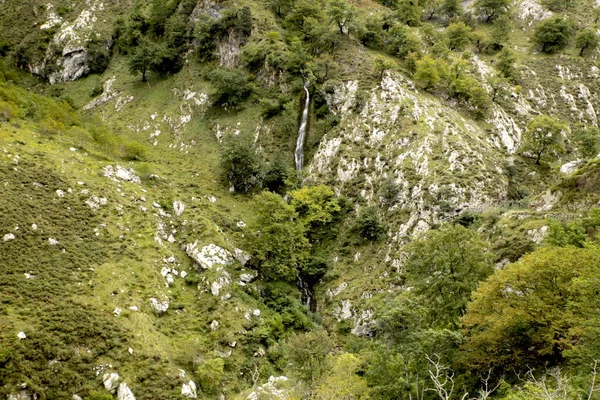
x=299, y=154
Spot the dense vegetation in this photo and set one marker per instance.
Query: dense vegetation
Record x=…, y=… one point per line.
x=473, y=308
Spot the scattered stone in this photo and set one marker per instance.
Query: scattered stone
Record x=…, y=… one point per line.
x=159, y=307
x=75, y=397
x=95, y=202
x=209, y=255
x=171, y=259
x=538, y=235
x=34, y=226
x=570, y=167
x=274, y=389
x=52, y=241
x=21, y=335
x=189, y=390
x=120, y=173
x=111, y=381
x=117, y=311
x=134, y=308
x=183, y=274
x=178, y=207
x=28, y=276
x=124, y=392
x=9, y=236
x=241, y=256
x=212, y=199
x=143, y=209
x=60, y=193
x=241, y=224
x=214, y=325
x=130, y=350
x=260, y=352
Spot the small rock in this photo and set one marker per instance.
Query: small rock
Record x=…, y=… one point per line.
x=178, y=207
x=256, y=312
x=183, y=274
x=212, y=199
x=21, y=335
x=214, y=325
x=130, y=350
x=52, y=241
x=241, y=224
x=75, y=397
x=134, y=308
x=60, y=193
x=125, y=393
x=117, y=311
x=34, y=227
x=9, y=236
x=159, y=307
x=28, y=276
x=143, y=209
x=110, y=381
x=189, y=390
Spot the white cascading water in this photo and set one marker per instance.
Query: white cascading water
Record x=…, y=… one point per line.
x=299, y=154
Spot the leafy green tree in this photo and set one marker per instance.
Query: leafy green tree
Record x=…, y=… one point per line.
x=445, y=266
x=403, y=41
x=232, y=86
x=146, y=56
x=204, y=33
x=532, y=311
x=341, y=13
x=342, y=382
x=278, y=245
x=302, y=10
x=429, y=72
x=500, y=32
x=280, y=7
x=543, y=137
x=459, y=35
x=506, y=64
x=276, y=175
x=587, y=139
x=369, y=224
x=408, y=12
x=315, y=205
x=210, y=374
x=382, y=65
x=586, y=39
x=451, y=8
x=491, y=9
x=307, y=354
x=553, y=34
x=241, y=164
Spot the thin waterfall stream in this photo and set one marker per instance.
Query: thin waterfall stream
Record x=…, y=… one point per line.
x=299, y=154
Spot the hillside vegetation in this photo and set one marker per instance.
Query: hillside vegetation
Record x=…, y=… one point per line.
x=158, y=242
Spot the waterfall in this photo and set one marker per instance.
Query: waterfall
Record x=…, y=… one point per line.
x=299, y=154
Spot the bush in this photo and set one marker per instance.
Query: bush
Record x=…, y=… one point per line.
x=369, y=224
x=241, y=165
x=553, y=34
x=232, y=86
x=210, y=373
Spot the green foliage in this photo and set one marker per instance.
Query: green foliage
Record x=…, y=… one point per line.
x=567, y=234
x=543, y=137
x=315, y=205
x=587, y=139
x=278, y=244
x=491, y=9
x=369, y=224
x=506, y=64
x=307, y=354
x=241, y=164
x=342, y=381
x=146, y=57
x=232, y=86
x=99, y=396
x=429, y=72
x=341, y=13
x=445, y=266
x=403, y=41
x=553, y=34
x=531, y=312
x=459, y=35
x=500, y=32
x=407, y=12
x=210, y=373
x=586, y=39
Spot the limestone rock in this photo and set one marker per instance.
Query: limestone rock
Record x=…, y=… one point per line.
x=8, y=237
x=189, y=390
x=124, y=392
x=21, y=335
x=159, y=307
x=111, y=381
x=120, y=173
x=178, y=207
x=274, y=389
x=208, y=256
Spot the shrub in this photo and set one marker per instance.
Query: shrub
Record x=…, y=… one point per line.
x=210, y=373
x=553, y=34
x=241, y=165
x=369, y=224
x=232, y=86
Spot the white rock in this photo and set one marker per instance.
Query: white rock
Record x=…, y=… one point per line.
x=241, y=224
x=159, y=307
x=214, y=325
x=570, y=167
x=75, y=397
x=170, y=279
x=125, y=393
x=130, y=350
x=9, y=236
x=110, y=381
x=212, y=199
x=179, y=208
x=171, y=259
x=60, y=193
x=28, y=276
x=209, y=255
x=256, y=312
x=52, y=241
x=241, y=256
x=21, y=335
x=117, y=312
x=189, y=390
x=95, y=202
x=120, y=173
x=34, y=226
x=134, y=308
x=183, y=274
